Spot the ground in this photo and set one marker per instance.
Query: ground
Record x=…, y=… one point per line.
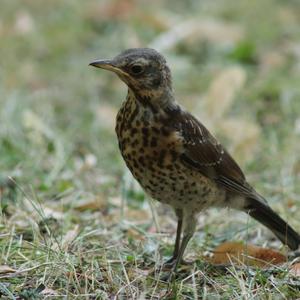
x=73, y=223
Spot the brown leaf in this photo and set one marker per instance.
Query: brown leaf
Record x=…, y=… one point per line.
x=95, y=204
x=240, y=254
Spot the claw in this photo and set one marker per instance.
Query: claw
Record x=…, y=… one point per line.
x=170, y=263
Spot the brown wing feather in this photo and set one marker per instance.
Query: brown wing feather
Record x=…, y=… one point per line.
x=204, y=153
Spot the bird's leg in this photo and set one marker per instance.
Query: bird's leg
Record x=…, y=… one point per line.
x=190, y=226
x=177, y=240
x=171, y=261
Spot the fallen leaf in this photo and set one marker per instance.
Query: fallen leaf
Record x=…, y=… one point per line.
x=4, y=269
x=295, y=269
x=95, y=204
x=240, y=254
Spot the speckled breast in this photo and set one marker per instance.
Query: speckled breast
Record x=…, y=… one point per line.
x=152, y=154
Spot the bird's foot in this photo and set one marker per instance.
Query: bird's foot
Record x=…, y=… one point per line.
x=170, y=263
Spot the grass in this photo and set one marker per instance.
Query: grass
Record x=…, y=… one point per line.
x=73, y=223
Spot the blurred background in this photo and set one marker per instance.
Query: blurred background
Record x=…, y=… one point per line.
x=235, y=64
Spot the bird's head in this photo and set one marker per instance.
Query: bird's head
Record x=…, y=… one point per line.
x=144, y=70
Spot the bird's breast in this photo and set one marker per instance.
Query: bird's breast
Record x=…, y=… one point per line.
x=152, y=153
x=147, y=146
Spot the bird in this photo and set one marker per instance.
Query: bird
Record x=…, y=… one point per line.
x=174, y=157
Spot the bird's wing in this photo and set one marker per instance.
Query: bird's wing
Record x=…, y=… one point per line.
x=204, y=153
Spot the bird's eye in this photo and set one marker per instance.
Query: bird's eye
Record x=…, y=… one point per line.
x=136, y=69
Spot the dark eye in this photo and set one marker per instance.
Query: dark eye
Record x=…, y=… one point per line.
x=136, y=69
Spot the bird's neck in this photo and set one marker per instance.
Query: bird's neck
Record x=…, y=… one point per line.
x=136, y=108
x=156, y=99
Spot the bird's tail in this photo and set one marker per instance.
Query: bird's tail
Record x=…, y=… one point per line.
x=265, y=215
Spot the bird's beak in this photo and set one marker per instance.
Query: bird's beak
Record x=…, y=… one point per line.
x=103, y=64
x=106, y=64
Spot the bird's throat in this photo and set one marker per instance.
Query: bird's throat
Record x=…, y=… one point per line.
x=156, y=100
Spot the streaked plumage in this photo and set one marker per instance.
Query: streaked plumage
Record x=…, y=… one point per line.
x=174, y=157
